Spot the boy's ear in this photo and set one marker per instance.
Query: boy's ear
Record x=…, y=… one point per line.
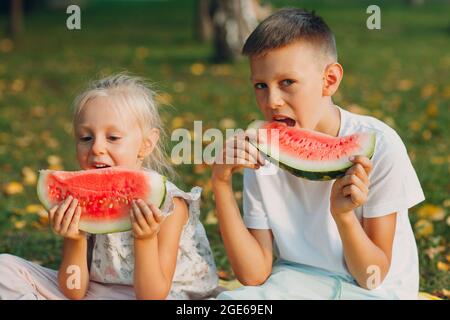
x=149, y=143
x=332, y=77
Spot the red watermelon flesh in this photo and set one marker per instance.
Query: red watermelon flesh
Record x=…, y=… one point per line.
x=104, y=195
x=310, y=154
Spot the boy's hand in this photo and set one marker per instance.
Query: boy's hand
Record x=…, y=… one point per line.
x=351, y=191
x=65, y=217
x=146, y=219
x=237, y=153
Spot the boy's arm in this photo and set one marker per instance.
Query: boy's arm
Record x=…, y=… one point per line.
x=249, y=250
x=367, y=247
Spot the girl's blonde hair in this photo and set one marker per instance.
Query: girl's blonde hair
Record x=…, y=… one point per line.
x=136, y=96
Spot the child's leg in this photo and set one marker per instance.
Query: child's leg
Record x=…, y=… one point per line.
x=298, y=282
x=22, y=279
x=285, y=284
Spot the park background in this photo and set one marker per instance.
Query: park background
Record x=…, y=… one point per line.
x=398, y=74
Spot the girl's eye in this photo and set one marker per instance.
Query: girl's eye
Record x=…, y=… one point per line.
x=114, y=138
x=85, y=139
x=260, y=86
x=287, y=82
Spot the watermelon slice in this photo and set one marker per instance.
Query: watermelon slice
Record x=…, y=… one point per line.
x=104, y=195
x=310, y=154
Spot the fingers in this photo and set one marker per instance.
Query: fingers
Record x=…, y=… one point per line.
x=134, y=223
x=147, y=218
x=157, y=214
x=73, y=227
x=364, y=162
x=146, y=212
x=354, y=180
x=241, y=149
x=359, y=171
x=59, y=214
x=68, y=215
x=357, y=196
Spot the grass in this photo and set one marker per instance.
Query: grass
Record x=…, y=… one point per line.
x=398, y=74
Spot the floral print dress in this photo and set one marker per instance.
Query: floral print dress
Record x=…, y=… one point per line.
x=111, y=256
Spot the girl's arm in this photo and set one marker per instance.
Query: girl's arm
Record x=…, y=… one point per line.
x=156, y=248
x=73, y=274
x=249, y=250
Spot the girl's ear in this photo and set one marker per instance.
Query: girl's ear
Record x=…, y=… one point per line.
x=149, y=143
x=332, y=77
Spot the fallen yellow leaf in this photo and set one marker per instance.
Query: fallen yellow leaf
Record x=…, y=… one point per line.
x=53, y=160
x=431, y=212
x=442, y=266
x=20, y=224
x=36, y=209
x=13, y=188
x=423, y=228
x=227, y=123
x=177, y=122
x=211, y=217
x=197, y=69
x=29, y=176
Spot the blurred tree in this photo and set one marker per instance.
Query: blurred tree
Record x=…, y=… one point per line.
x=233, y=21
x=203, y=28
x=15, y=22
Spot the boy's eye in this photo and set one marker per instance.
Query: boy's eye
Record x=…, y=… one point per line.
x=260, y=86
x=287, y=82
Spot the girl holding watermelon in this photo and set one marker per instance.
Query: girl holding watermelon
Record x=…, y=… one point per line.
x=166, y=255
x=344, y=238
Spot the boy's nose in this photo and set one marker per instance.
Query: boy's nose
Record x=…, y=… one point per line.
x=274, y=100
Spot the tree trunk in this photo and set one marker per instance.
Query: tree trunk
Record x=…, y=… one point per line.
x=203, y=27
x=15, y=25
x=233, y=21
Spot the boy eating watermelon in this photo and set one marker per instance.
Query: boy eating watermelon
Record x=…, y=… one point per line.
x=347, y=238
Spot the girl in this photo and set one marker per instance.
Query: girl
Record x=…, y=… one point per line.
x=165, y=255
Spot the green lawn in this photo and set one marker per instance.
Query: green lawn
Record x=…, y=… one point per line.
x=398, y=74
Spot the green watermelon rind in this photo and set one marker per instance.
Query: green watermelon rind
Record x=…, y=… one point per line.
x=333, y=171
x=94, y=227
x=41, y=189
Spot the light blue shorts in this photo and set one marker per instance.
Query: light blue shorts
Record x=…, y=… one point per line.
x=300, y=282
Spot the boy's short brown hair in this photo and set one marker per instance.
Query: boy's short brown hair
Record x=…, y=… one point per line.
x=287, y=26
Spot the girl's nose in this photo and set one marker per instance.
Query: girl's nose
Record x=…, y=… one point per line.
x=98, y=147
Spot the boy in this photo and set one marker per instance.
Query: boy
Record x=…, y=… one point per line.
x=332, y=239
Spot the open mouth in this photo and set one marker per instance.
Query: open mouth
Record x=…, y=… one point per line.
x=285, y=119
x=100, y=166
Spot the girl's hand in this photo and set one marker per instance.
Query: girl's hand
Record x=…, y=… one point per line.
x=65, y=217
x=237, y=153
x=146, y=219
x=351, y=191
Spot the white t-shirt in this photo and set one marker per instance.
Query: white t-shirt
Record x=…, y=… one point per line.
x=298, y=210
